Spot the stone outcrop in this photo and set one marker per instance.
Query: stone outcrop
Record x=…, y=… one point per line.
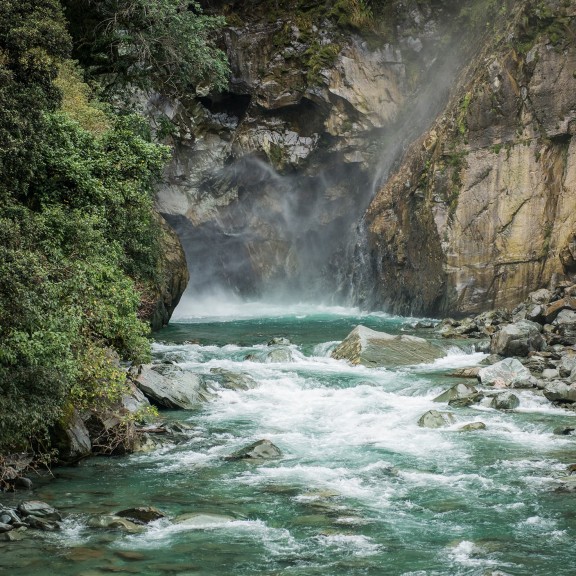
x=171, y=387
x=158, y=303
x=269, y=179
x=371, y=348
x=482, y=209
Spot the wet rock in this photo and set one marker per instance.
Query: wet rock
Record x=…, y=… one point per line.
x=465, y=372
x=472, y=427
x=435, y=419
x=201, y=521
x=71, y=438
x=112, y=522
x=567, y=365
x=170, y=387
x=135, y=400
x=518, y=339
x=559, y=391
x=279, y=342
x=506, y=370
x=42, y=524
x=141, y=515
x=233, y=380
x=38, y=509
x=505, y=401
x=371, y=348
x=5, y=527
x=260, y=450
x=279, y=355
x=565, y=324
x=457, y=392
x=565, y=430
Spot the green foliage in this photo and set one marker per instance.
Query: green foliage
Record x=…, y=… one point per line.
x=33, y=38
x=166, y=45
x=352, y=14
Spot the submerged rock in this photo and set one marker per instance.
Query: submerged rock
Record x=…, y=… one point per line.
x=141, y=515
x=170, y=387
x=112, y=522
x=260, y=450
x=458, y=392
x=371, y=348
x=435, y=419
x=505, y=371
x=201, y=520
x=233, y=380
x=472, y=427
x=505, y=401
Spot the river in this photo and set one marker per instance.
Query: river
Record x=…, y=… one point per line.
x=361, y=489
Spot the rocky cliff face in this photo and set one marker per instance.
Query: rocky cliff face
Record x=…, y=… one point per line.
x=270, y=180
x=483, y=208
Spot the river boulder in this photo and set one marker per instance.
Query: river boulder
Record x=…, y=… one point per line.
x=505, y=371
x=458, y=392
x=171, y=387
x=472, y=427
x=518, y=339
x=141, y=514
x=260, y=450
x=505, y=401
x=71, y=438
x=435, y=419
x=232, y=380
x=373, y=349
x=559, y=391
x=565, y=324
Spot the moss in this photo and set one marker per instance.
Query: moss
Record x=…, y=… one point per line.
x=463, y=112
x=319, y=58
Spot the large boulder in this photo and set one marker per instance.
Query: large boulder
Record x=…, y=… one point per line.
x=504, y=372
x=371, y=348
x=567, y=365
x=565, y=324
x=170, y=387
x=232, y=380
x=260, y=450
x=435, y=419
x=518, y=339
x=71, y=438
x=505, y=401
x=141, y=515
x=559, y=391
x=458, y=392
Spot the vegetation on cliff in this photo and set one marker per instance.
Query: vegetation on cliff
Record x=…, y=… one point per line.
x=77, y=227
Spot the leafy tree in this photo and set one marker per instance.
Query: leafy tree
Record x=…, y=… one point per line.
x=166, y=45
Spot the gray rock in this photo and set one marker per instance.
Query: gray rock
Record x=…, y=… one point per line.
x=279, y=355
x=472, y=427
x=279, y=341
x=565, y=324
x=5, y=527
x=141, y=515
x=233, y=380
x=435, y=419
x=506, y=370
x=457, y=392
x=567, y=365
x=112, y=522
x=541, y=296
x=559, y=391
x=517, y=339
x=465, y=372
x=42, y=524
x=505, y=401
x=565, y=430
x=260, y=450
x=38, y=509
x=371, y=348
x=550, y=374
x=171, y=387
x=135, y=400
x=525, y=382
x=202, y=520
x=71, y=438
x=534, y=313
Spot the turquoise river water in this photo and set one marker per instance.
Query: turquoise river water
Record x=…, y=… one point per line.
x=360, y=489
